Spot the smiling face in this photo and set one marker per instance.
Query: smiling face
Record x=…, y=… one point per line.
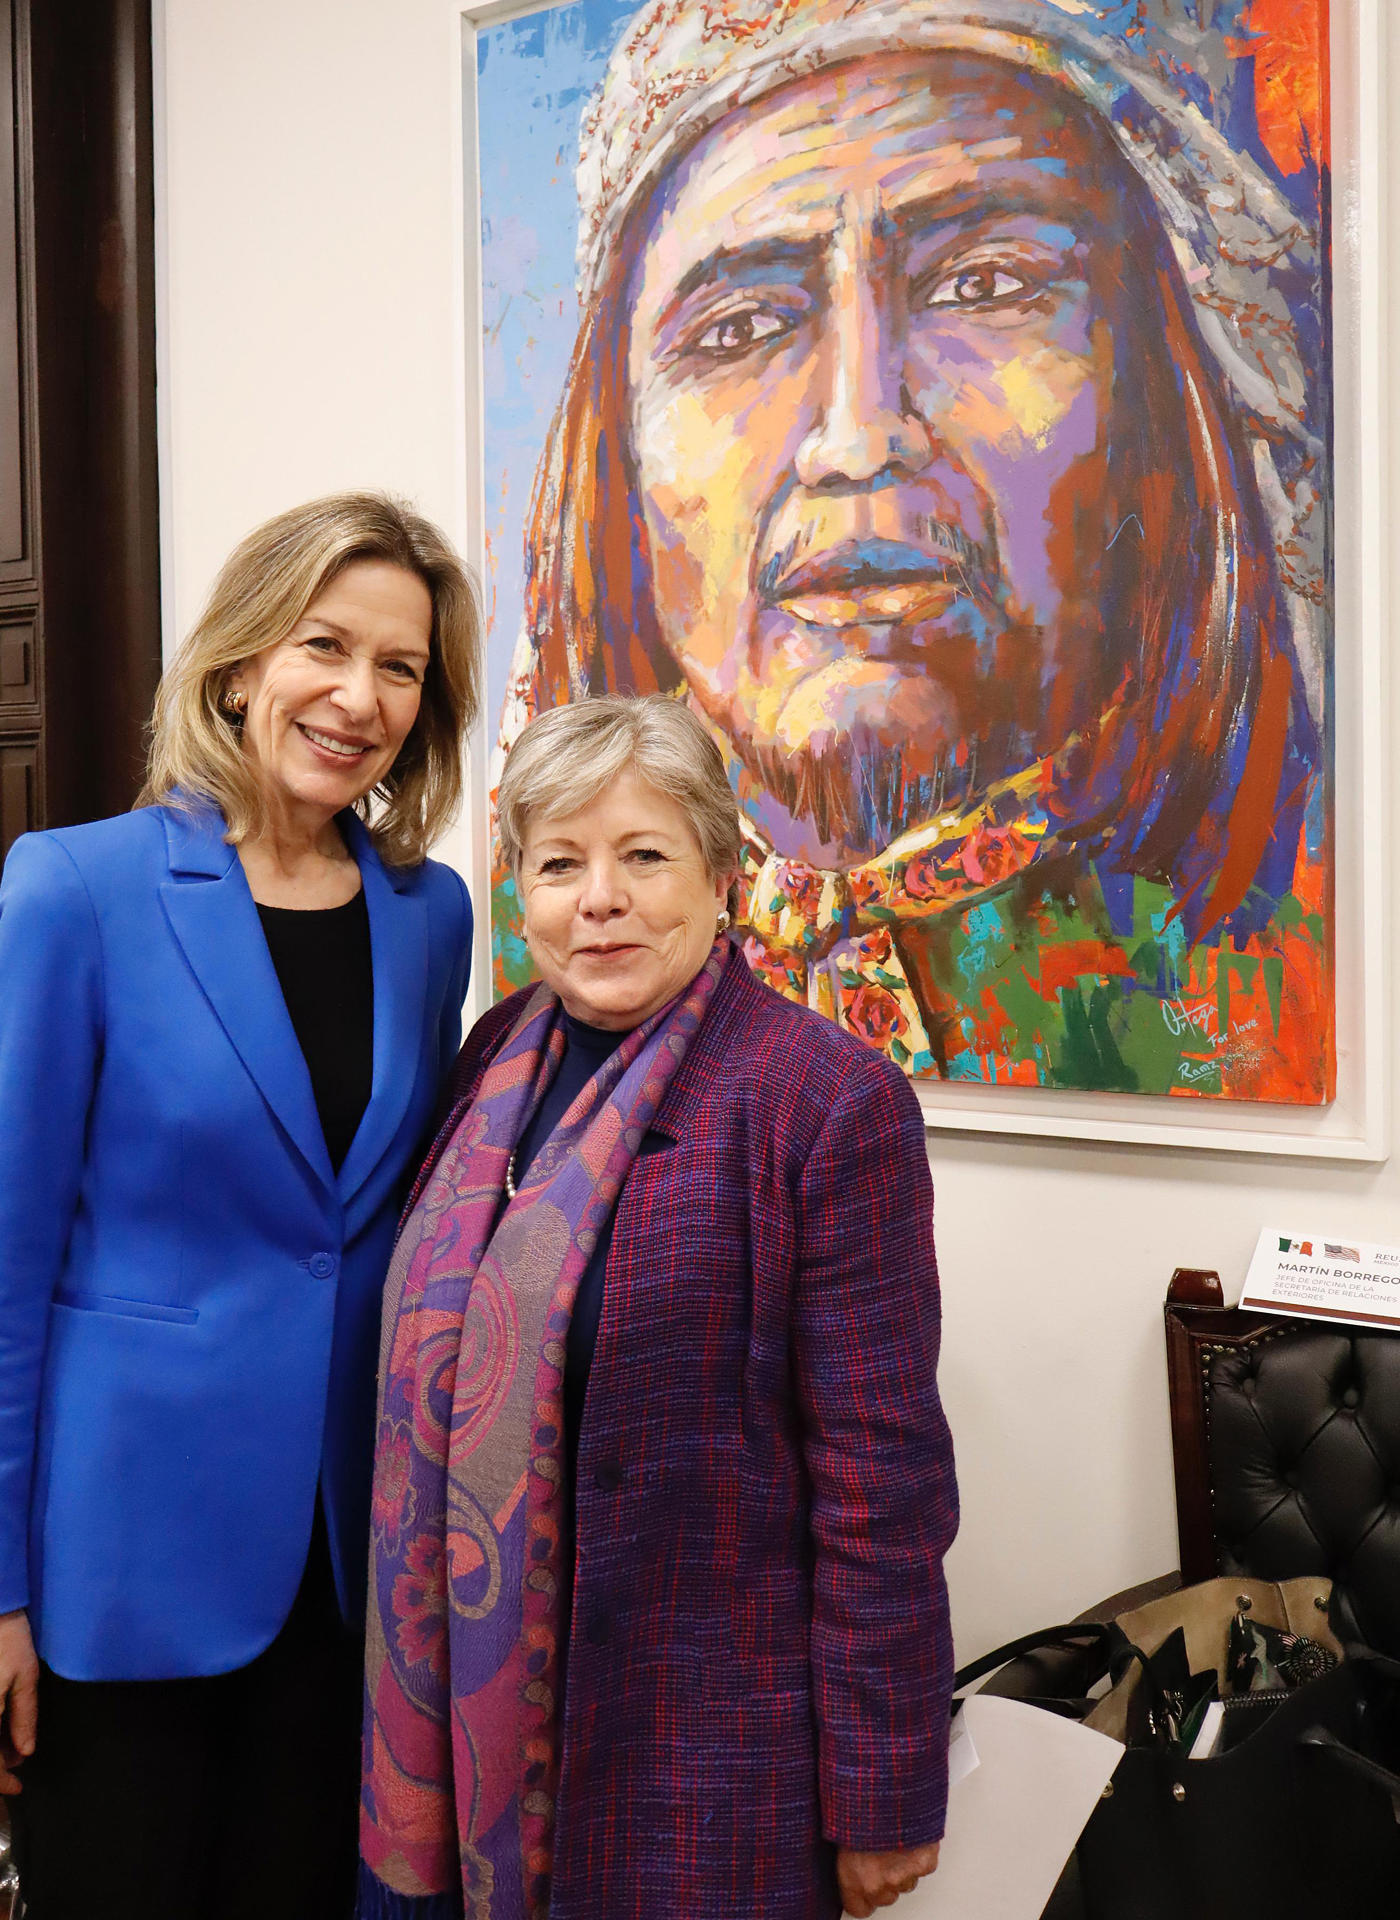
x=330, y=707
x=869, y=373
x=619, y=910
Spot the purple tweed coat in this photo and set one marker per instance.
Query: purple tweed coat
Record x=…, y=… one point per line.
x=759, y=1658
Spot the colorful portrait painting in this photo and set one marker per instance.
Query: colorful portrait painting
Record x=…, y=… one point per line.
x=937, y=397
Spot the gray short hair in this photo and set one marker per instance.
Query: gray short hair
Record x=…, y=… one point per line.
x=565, y=758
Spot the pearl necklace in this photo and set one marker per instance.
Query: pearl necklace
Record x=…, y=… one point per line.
x=510, y=1176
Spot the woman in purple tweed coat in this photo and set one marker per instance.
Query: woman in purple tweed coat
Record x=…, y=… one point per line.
x=658, y=1626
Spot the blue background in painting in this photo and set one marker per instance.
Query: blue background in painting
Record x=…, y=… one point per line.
x=534, y=79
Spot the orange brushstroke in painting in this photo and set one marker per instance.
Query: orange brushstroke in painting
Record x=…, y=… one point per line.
x=1288, y=39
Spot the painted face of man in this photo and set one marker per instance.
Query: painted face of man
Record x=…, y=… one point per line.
x=869, y=373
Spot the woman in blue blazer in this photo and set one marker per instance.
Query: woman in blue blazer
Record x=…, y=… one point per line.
x=223, y=1022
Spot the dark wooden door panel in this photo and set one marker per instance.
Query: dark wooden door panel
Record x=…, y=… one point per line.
x=12, y=542
x=79, y=560
x=18, y=676
x=18, y=781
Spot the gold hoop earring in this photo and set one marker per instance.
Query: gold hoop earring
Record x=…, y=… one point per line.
x=237, y=703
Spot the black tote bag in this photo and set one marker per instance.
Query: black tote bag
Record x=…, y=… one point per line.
x=1298, y=1821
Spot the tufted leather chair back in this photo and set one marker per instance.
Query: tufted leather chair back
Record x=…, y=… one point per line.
x=1287, y=1442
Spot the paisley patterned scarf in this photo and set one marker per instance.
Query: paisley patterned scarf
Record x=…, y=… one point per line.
x=468, y=1561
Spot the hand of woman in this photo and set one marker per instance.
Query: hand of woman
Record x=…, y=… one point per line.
x=19, y=1695
x=871, y=1880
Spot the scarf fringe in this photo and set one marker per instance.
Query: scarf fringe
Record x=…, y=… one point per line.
x=375, y=1901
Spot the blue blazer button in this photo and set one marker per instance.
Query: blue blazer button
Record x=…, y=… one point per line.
x=322, y=1265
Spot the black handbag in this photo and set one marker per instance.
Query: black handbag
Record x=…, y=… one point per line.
x=1296, y=1816
x=1295, y=1821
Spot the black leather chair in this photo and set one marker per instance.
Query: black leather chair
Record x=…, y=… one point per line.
x=1286, y=1436
x=1286, y=1441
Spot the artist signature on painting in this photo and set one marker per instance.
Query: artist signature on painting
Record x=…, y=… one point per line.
x=1199, y=1020
x=1192, y=1070
x=1197, y=1017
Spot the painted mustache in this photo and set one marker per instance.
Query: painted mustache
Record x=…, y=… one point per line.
x=876, y=582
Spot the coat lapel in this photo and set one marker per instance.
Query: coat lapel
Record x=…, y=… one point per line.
x=212, y=915
x=398, y=934
x=717, y=1045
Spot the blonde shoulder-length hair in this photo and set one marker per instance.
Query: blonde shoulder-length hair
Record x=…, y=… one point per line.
x=262, y=590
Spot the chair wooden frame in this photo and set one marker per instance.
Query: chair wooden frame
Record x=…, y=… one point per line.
x=1199, y=1327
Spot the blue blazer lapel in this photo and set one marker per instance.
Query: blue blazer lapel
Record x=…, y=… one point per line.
x=398, y=937
x=212, y=915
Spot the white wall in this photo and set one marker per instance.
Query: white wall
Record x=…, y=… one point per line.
x=309, y=340
x=308, y=310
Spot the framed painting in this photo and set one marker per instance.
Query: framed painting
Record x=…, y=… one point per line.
x=959, y=405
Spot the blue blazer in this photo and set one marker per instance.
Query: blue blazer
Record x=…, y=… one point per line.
x=189, y=1294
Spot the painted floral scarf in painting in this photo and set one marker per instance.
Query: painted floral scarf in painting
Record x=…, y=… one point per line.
x=462, y=1709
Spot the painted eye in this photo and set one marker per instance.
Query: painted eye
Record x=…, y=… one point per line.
x=976, y=287
x=741, y=332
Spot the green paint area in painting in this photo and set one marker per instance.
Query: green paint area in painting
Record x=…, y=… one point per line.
x=1062, y=1000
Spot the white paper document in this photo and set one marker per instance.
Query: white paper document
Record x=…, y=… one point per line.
x=1324, y=1277
x=962, y=1754
x=1211, y=1728
x=1014, y=1817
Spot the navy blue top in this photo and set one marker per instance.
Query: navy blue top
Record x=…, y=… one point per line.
x=585, y=1050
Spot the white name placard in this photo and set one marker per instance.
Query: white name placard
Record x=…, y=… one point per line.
x=1323, y=1278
